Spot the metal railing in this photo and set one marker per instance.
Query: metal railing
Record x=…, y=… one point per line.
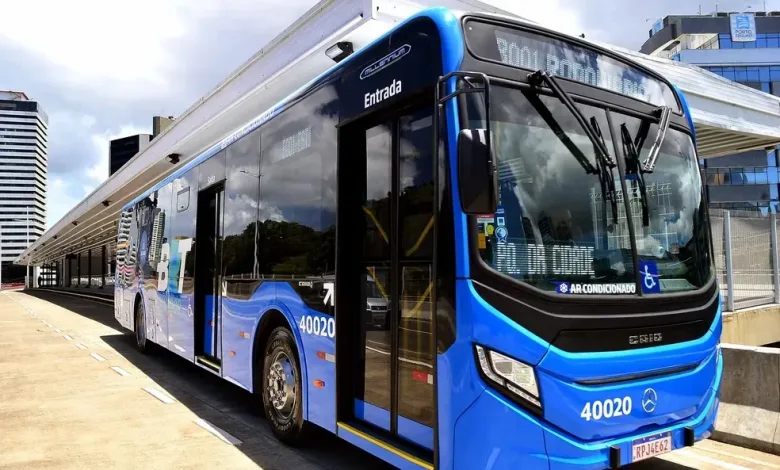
x=746, y=257
x=84, y=281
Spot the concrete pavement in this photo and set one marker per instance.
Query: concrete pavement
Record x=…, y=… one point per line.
x=77, y=395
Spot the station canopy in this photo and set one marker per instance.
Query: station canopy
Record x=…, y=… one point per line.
x=728, y=117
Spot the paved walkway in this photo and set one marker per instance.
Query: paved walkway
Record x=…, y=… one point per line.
x=76, y=394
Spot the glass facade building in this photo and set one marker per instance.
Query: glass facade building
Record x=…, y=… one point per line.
x=749, y=180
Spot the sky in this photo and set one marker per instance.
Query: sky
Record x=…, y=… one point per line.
x=102, y=69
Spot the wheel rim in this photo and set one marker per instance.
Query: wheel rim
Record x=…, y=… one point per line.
x=140, y=334
x=281, y=391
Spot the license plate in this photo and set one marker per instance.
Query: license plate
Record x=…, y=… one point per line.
x=379, y=318
x=651, y=446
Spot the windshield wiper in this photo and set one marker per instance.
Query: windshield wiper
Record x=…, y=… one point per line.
x=604, y=161
x=633, y=168
x=663, y=126
x=539, y=77
x=605, y=175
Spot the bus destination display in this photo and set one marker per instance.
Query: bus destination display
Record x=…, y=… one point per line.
x=530, y=51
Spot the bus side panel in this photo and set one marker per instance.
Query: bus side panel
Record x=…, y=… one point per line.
x=316, y=332
x=315, y=344
x=122, y=297
x=147, y=214
x=296, y=233
x=123, y=300
x=129, y=273
x=279, y=244
x=181, y=268
x=161, y=234
x=241, y=316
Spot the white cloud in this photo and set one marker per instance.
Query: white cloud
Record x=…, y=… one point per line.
x=554, y=14
x=59, y=201
x=94, y=40
x=78, y=158
x=101, y=70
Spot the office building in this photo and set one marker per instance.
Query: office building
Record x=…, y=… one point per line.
x=23, y=177
x=160, y=124
x=122, y=150
x=743, y=47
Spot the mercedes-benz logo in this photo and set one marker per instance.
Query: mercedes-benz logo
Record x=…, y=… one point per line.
x=649, y=400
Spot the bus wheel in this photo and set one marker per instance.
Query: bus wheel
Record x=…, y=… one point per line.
x=140, y=328
x=282, y=391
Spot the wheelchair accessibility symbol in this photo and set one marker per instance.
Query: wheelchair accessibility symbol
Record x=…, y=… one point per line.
x=649, y=273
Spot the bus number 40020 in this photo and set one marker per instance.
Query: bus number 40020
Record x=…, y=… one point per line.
x=611, y=408
x=318, y=326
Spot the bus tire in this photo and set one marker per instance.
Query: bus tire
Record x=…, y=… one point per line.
x=141, y=342
x=281, y=389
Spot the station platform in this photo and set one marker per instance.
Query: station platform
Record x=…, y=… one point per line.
x=78, y=395
x=93, y=293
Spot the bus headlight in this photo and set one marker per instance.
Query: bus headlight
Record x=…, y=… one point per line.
x=511, y=374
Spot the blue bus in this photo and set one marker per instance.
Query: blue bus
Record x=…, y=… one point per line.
x=475, y=243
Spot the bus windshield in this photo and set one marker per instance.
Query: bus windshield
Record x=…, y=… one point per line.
x=562, y=228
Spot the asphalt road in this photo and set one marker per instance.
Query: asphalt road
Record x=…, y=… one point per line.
x=76, y=394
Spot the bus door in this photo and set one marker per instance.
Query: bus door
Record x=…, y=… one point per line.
x=385, y=342
x=208, y=233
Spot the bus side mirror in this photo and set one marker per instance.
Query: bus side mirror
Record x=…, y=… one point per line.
x=477, y=175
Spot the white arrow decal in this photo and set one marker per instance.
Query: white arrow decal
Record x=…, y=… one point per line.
x=329, y=294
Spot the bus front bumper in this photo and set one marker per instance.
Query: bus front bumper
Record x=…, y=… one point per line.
x=497, y=434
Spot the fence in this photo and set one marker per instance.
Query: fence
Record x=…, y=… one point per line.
x=746, y=254
x=93, y=281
